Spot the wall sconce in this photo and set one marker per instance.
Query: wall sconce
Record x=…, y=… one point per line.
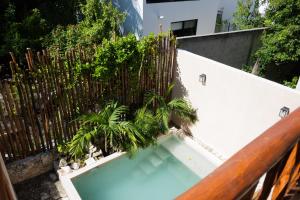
x=202, y=79
x=284, y=111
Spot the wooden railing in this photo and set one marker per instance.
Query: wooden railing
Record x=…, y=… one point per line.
x=274, y=153
x=6, y=189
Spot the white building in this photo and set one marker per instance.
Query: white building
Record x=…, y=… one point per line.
x=226, y=9
x=194, y=17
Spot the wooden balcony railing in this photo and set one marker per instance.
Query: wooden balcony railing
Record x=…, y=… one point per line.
x=274, y=153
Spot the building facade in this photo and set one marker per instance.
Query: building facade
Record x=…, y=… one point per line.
x=184, y=18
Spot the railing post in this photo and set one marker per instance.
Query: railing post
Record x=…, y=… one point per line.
x=275, y=152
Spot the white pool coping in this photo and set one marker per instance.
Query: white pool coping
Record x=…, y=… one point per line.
x=74, y=195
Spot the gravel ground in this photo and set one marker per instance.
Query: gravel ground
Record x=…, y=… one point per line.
x=43, y=187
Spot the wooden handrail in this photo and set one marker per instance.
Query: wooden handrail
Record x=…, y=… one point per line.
x=271, y=153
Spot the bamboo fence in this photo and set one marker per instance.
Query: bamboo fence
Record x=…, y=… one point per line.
x=40, y=104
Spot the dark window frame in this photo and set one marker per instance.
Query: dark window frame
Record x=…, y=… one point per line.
x=165, y=1
x=185, y=31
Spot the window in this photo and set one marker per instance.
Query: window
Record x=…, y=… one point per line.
x=184, y=28
x=219, y=21
x=161, y=1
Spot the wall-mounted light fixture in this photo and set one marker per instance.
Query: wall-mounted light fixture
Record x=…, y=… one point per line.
x=284, y=111
x=202, y=79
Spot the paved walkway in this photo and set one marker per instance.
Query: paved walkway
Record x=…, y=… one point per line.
x=43, y=187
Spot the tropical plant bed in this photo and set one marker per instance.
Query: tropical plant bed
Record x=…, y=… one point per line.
x=66, y=166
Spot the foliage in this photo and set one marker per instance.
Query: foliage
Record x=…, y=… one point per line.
x=111, y=54
x=113, y=130
x=26, y=23
x=19, y=35
x=109, y=124
x=247, y=68
x=147, y=124
x=124, y=55
x=281, y=42
x=100, y=20
x=164, y=108
x=247, y=15
x=292, y=83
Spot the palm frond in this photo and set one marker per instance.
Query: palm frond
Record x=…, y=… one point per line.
x=170, y=89
x=183, y=109
x=163, y=115
x=77, y=147
x=151, y=98
x=116, y=114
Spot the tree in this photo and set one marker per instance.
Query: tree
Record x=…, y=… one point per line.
x=247, y=15
x=281, y=41
x=17, y=36
x=25, y=24
x=99, y=20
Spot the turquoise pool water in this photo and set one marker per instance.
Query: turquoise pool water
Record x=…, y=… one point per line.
x=153, y=173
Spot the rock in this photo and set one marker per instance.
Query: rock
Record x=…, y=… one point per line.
x=92, y=149
x=66, y=169
x=53, y=177
x=60, y=189
x=44, y=196
x=30, y=167
x=89, y=161
x=62, y=163
x=97, y=154
x=173, y=130
x=60, y=172
x=75, y=166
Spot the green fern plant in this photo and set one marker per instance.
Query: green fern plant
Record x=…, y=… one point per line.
x=111, y=130
x=108, y=128
x=164, y=108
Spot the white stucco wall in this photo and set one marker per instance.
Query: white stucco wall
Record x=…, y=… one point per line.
x=234, y=107
x=228, y=7
x=134, y=16
x=203, y=10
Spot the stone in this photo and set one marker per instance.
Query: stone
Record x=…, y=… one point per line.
x=92, y=149
x=62, y=163
x=75, y=166
x=44, y=196
x=97, y=154
x=53, y=177
x=60, y=189
x=66, y=169
x=89, y=161
x=60, y=172
x=30, y=167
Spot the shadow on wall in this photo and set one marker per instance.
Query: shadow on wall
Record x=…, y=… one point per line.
x=231, y=48
x=133, y=23
x=179, y=89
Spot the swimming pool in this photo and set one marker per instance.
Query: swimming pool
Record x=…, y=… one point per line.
x=163, y=171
